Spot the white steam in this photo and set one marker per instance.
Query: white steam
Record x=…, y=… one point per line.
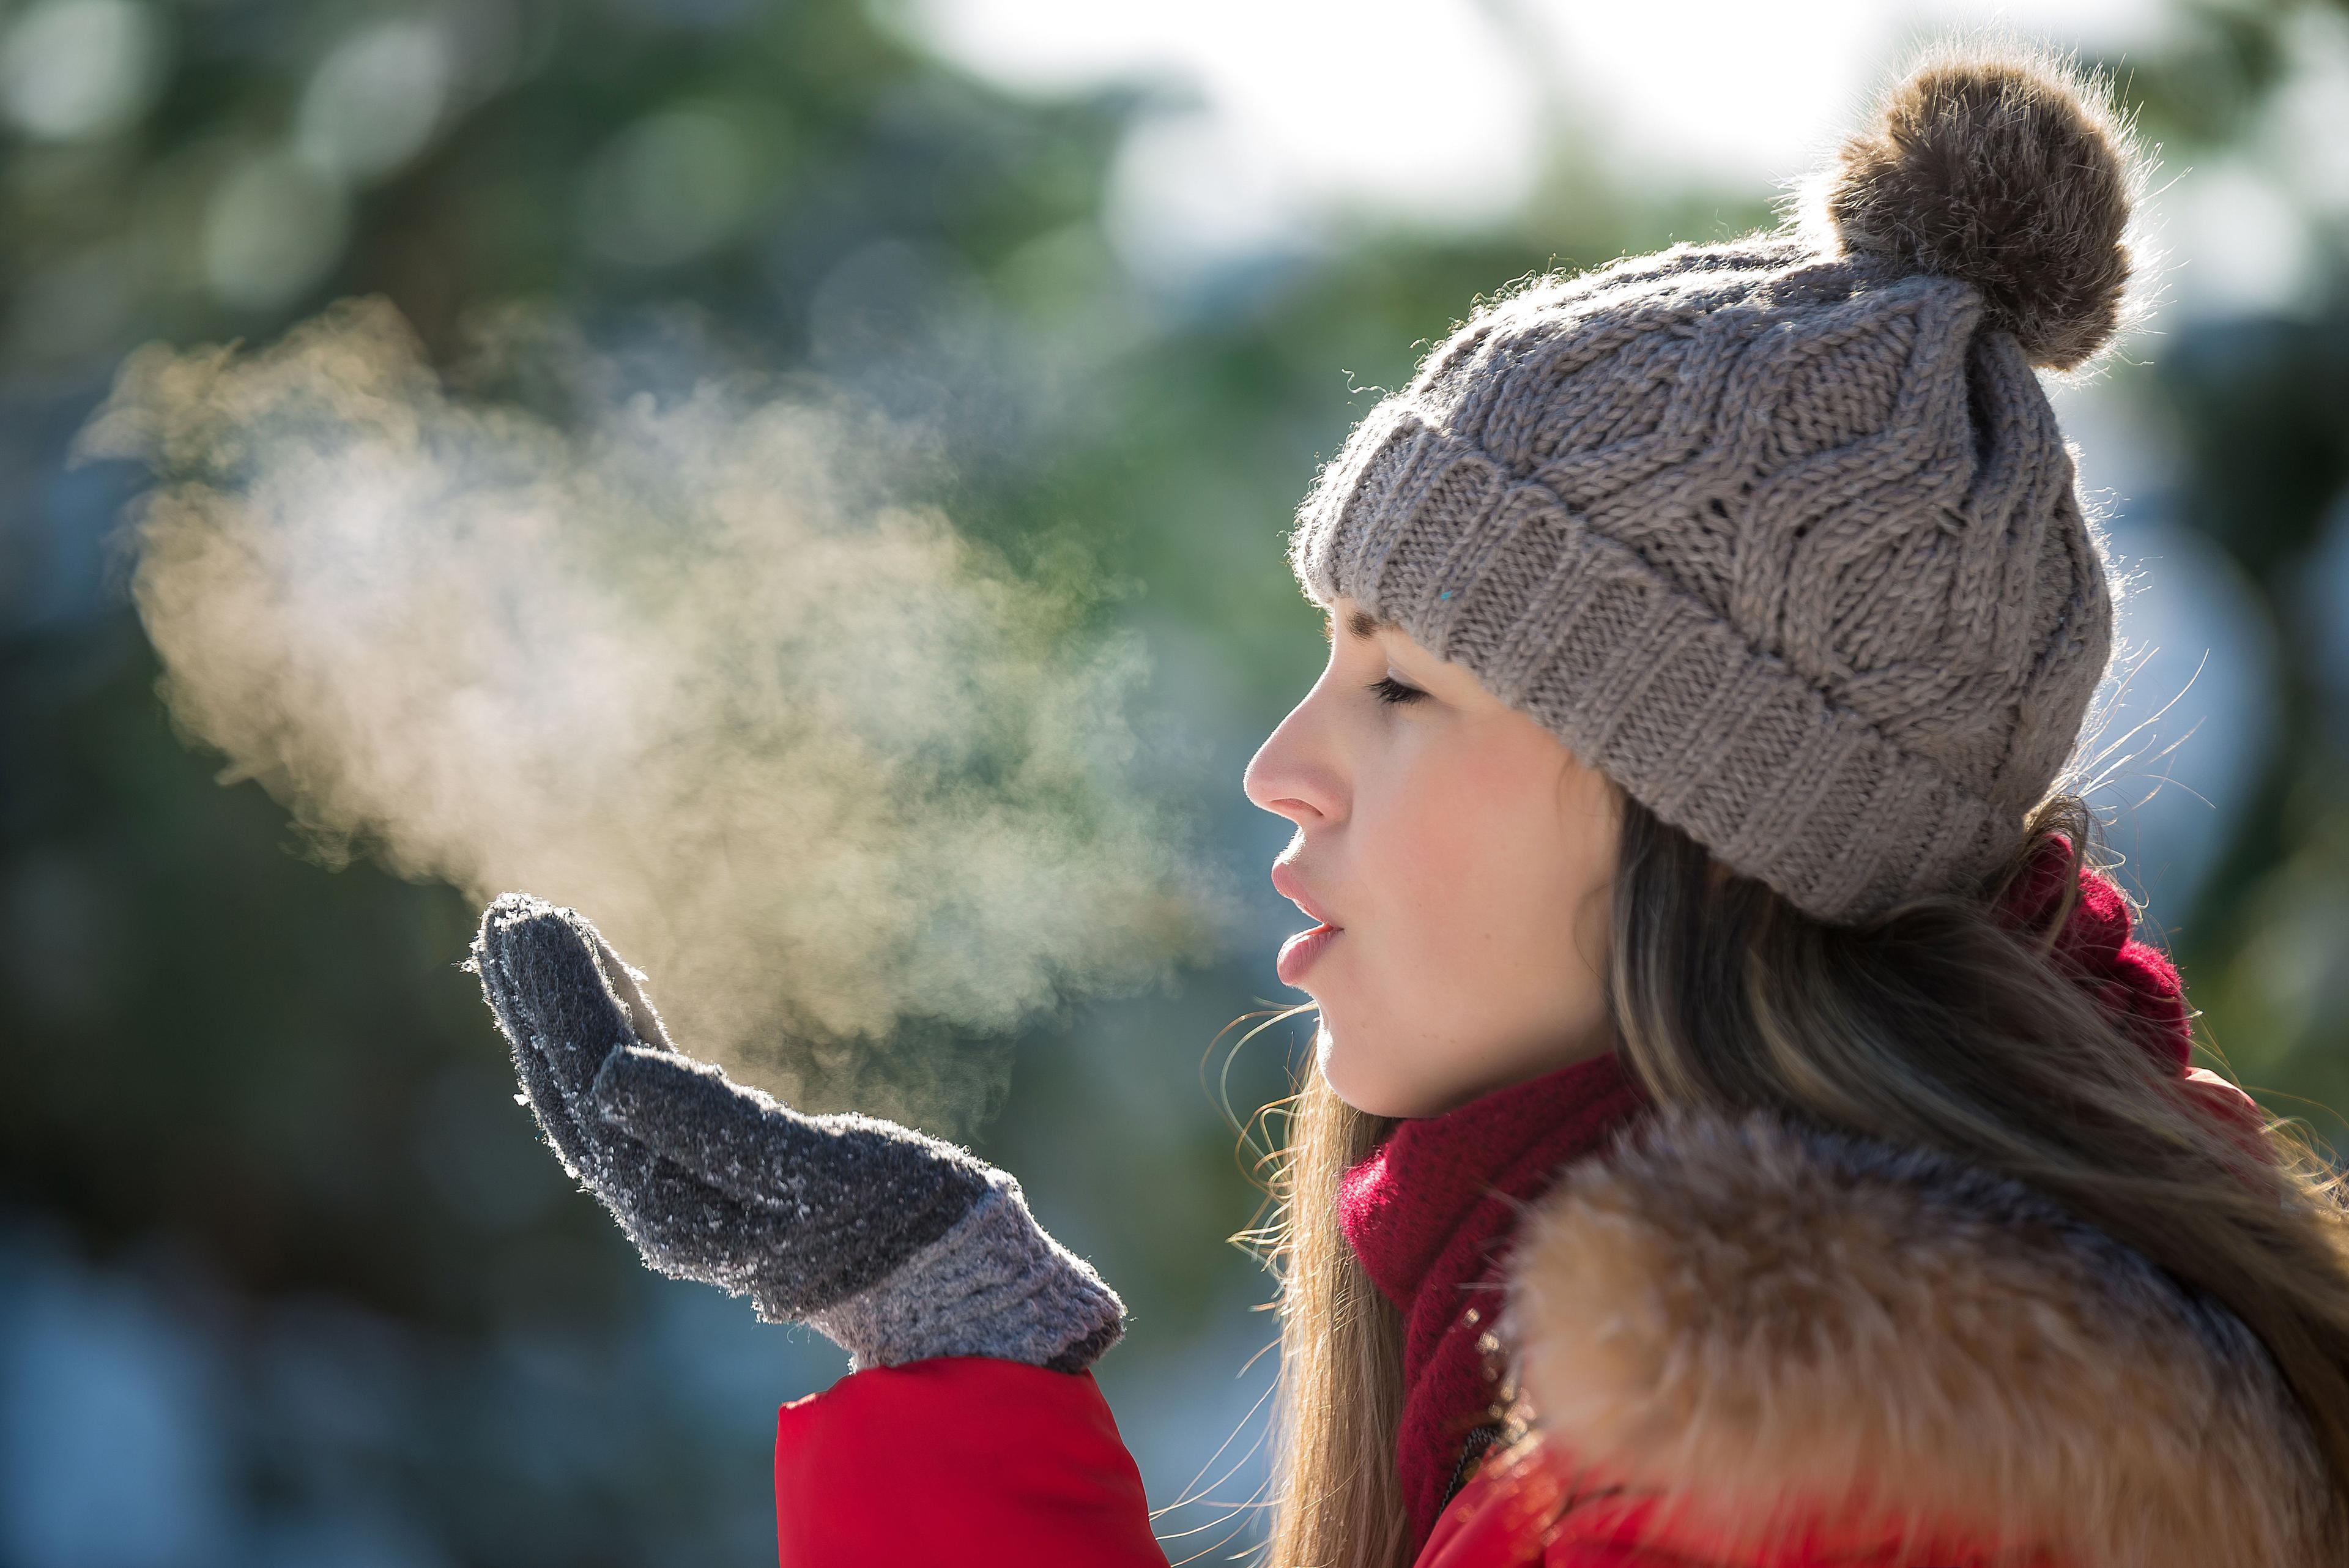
x=823, y=768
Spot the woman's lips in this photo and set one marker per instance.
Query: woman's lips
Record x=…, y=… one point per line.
x=1298, y=953
x=1286, y=883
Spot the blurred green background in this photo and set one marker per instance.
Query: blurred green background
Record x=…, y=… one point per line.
x=285, y=1276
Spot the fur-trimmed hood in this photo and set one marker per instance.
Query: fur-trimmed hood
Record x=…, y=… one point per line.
x=1774, y=1325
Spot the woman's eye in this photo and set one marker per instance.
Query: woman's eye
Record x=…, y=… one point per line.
x=1388, y=689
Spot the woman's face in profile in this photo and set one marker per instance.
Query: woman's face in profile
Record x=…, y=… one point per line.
x=1462, y=860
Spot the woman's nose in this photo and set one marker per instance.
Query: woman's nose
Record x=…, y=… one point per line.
x=1284, y=778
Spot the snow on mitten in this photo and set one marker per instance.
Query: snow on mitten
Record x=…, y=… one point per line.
x=896, y=1245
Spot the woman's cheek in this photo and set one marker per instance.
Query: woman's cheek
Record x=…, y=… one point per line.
x=1440, y=866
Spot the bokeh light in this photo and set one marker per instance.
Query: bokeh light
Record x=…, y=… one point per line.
x=374, y=100
x=72, y=68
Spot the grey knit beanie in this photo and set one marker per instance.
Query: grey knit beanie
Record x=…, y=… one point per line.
x=1780, y=534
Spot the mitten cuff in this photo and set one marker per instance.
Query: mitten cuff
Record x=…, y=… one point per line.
x=995, y=1283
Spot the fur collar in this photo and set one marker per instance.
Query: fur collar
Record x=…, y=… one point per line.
x=1771, y=1325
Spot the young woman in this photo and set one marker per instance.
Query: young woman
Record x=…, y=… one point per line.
x=1743, y=1130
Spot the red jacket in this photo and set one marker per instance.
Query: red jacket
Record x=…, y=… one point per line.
x=1739, y=1346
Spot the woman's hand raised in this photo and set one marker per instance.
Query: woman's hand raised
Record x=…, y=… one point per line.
x=896, y=1245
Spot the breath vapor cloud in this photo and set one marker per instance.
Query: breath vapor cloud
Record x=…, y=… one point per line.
x=830, y=772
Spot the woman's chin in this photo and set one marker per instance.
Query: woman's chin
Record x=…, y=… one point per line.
x=1330, y=1059
x=1370, y=1094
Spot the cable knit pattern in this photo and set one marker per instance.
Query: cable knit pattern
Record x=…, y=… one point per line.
x=1783, y=546
x=1779, y=533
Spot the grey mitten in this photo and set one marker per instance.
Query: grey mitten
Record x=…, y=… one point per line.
x=896, y=1245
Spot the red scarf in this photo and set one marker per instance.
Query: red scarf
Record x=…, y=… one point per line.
x=2134, y=983
x=2132, y=980
x=1430, y=1210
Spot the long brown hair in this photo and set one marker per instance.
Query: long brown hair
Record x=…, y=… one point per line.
x=1937, y=1024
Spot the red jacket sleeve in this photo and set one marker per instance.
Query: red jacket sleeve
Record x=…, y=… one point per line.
x=971, y=1461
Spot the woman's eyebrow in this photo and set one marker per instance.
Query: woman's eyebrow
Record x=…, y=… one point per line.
x=1360, y=623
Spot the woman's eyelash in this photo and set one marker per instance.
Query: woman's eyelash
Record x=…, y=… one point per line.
x=1388, y=689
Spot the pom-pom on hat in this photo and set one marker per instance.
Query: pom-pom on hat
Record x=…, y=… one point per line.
x=1780, y=533
x=2005, y=172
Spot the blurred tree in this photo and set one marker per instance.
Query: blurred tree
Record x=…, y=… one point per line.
x=263, y=1096
x=2257, y=409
